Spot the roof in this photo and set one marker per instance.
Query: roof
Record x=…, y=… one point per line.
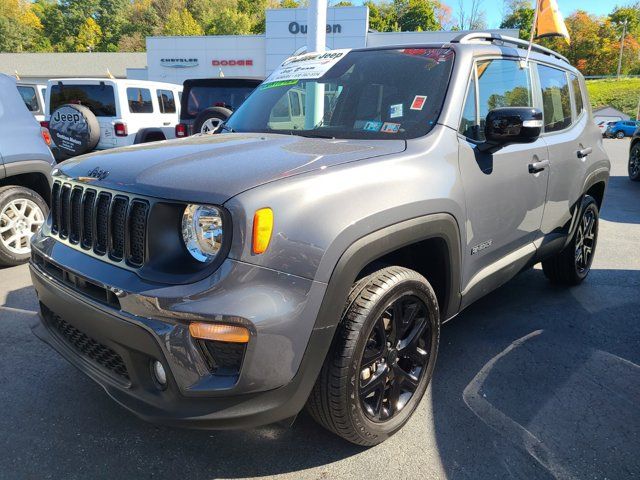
x=54, y=65
x=609, y=111
x=117, y=81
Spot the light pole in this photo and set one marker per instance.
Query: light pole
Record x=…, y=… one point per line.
x=624, y=34
x=316, y=41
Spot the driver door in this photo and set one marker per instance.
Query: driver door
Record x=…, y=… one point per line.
x=505, y=197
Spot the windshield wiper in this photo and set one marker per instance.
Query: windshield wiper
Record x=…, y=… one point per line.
x=308, y=134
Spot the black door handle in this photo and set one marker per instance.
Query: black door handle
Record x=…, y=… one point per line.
x=537, y=167
x=584, y=152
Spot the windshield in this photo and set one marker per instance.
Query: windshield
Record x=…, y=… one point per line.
x=391, y=93
x=100, y=99
x=204, y=97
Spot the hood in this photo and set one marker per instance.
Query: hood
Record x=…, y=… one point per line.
x=214, y=168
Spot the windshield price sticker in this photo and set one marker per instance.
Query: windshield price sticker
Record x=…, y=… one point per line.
x=389, y=127
x=307, y=66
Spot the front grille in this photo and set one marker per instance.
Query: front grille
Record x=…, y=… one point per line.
x=93, y=350
x=109, y=225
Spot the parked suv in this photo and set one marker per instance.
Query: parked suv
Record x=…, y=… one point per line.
x=621, y=129
x=87, y=114
x=229, y=280
x=25, y=166
x=33, y=96
x=208, y=102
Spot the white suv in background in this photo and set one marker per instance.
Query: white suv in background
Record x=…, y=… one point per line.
x=99, y=113
x=33, y=95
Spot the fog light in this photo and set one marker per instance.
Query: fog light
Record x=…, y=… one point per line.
x=159, y=373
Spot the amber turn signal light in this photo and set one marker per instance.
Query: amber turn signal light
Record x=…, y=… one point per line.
x=262, y=229
x=219, y=332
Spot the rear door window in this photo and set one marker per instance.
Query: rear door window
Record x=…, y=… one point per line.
x=556, y=102
x=166, y=101
x=100, y=99
x=495, y=83
x=577, y=94
x=29, y=98
x=139, y=100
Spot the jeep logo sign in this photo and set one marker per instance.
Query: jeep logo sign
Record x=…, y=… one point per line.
x=295, y=28
x=179, y=62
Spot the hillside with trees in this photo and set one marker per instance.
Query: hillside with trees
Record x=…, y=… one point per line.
x=122, y=25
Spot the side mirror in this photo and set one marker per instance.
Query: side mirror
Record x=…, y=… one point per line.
x=508, y=125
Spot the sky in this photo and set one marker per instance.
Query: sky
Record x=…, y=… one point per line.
x=493, y=8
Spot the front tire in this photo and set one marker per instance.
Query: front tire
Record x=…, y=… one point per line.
x=634, y=163
x=382, y=357
x=22, y=212
x=619, y=135
x=572, y=265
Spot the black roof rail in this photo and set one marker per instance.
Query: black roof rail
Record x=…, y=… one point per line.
x=503, y=39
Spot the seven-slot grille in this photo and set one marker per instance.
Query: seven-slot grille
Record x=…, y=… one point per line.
x=108, y=224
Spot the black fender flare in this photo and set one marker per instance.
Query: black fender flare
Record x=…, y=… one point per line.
x=291, y=398
x=596, y=176
x=141, y=136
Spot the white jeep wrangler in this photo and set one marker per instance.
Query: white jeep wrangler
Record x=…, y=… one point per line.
x=87, y=114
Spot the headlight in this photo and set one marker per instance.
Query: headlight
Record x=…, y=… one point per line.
x=202, y=231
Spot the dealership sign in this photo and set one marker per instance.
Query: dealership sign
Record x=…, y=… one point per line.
x=179, y=62
x=295, y=28
x=248, y=62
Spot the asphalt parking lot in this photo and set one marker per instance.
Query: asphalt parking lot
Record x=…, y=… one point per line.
x=533, y=381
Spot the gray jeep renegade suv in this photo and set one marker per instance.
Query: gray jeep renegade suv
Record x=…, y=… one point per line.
x=229, y=280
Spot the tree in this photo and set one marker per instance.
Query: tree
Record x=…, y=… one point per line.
x=111, y=16
x=473, y=18
x=230, y=22
x=181, y=22
x=382, y=17
x=416, y=15
x=89, y=36
x=20, y=27
x=521, y=18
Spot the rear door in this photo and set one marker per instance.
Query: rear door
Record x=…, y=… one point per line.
x=167, y=111
x=569, y=134
x=504, y=200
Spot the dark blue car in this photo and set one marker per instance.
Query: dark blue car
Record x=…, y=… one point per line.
x=621, y=129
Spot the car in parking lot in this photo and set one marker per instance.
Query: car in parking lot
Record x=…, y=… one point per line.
x=33, y=96
x=25, y=166
x=229, y=280
x=208, y=102
x=621, y=129
x=87, y=114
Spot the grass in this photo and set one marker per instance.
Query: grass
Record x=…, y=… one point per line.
x=622, y=94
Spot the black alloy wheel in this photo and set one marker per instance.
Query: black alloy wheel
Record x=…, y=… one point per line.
x=395, y=357
x=586, y=240
x=634, y=162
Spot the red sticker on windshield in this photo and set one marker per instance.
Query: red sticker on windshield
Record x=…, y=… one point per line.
x=418, y=102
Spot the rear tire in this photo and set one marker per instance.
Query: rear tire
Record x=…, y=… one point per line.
x=572, y=265
x=634, y=163
x=210, y=119
x=375, y=374
x=22, y=212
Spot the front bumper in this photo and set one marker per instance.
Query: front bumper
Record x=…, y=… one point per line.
x=115, y=348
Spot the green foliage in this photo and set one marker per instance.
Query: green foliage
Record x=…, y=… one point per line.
x=521, y=18
x=623, y=94
x=89, y=36
x=416, y=15
x=181, y=22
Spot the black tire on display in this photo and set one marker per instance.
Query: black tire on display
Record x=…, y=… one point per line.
x=74, y=129
x=620, y=134
x=210, y=119
x=634, y=163
x=22, y=211
x=382, y=357
x=572, y=265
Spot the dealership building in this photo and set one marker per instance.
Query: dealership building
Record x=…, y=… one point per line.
x=174, y=59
